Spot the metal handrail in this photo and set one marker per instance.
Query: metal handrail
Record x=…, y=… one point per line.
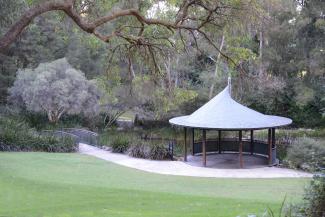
x=80, y=129
x=61, y=134
x=79, y=135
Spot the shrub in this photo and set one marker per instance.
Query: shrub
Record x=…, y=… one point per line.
x=307, y=154
x=16, y=135
x=139, y=150
x=315, y=197
x=148, y=150
x=158, y=152
x=104, y=139
x=120, y=144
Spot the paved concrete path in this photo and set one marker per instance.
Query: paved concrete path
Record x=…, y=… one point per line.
x=182, y=169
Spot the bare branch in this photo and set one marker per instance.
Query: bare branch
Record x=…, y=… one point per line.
x=195, y=40
x=182, y=40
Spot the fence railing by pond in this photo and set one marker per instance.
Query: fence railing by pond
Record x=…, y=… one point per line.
x=78, y=135
x=84, y=135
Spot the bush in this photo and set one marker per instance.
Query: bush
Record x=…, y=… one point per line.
x=307, y=154
x=139, y=150
x=120, y=144
x=145, y=149
x=158, y=152
x=16, y=135
x=315, y=197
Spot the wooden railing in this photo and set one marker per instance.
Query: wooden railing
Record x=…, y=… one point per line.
x=228, y=145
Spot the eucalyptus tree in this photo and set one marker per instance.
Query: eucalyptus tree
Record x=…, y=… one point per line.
x=55, y=88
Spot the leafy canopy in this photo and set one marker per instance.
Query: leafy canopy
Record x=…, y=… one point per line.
x=55, y=88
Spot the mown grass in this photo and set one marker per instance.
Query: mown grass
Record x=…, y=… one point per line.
x=43, y=184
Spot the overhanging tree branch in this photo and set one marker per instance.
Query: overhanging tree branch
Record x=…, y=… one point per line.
x=185, y=20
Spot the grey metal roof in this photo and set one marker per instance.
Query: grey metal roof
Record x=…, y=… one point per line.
x=222, y=112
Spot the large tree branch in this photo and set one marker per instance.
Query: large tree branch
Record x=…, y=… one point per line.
x=26, y=18
x=183, y=21
x=67, y=6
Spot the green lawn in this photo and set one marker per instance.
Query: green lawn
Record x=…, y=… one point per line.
x=44, y=184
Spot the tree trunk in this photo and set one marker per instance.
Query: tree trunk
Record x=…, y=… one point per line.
x=54, y=116
x=131, y=69
x=176, y=74
x=261, y=53
x=49, y=116
x=216, y=70
x=168, y=71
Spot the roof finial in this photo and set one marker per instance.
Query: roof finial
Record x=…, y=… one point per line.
x=229, y=85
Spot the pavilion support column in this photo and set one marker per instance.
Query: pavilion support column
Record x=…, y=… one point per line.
x=273, y=143
x=219, y=141
x=269, y=141
x=193, y=141
x=241, y=149
x=252, y=142
x=185, y=144
x=204, y=153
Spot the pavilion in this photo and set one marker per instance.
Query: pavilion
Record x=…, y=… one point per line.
x=222, y=113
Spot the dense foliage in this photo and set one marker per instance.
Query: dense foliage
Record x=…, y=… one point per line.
x=139, y=150
x=307, y=154
x=120, y=144
x=158, y=152
x=16, y=135
x=315, y=197
x=56, y=89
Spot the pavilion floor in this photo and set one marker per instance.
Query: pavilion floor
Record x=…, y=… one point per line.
x=228, y=161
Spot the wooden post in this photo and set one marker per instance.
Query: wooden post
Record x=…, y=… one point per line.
x=269, y=141
x=240, y=149
x=252, y=142
x=192, y=141
x=185, y=145
x=204, y=154
x=273, y=137
x=273, y=143
x=219, y=141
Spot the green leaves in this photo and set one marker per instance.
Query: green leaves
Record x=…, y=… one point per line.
x=16, y=135
x=307, y=154
x=55, y=88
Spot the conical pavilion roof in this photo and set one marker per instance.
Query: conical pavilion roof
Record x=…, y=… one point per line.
x=222, y=112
